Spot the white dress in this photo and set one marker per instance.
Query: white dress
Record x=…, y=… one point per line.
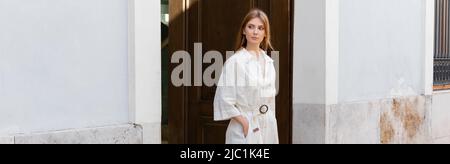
x=247, y=87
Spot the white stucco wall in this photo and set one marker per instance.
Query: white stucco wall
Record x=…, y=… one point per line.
x=351, y=57
x=63, y=64
x=309, y=52
x=382, y=49
x=145, y=68
x=309, y=72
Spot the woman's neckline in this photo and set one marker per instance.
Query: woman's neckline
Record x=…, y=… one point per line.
x=261, y=52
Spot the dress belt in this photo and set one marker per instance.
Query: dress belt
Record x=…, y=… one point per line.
x=263, y=109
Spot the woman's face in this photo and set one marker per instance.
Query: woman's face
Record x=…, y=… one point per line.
x=255, y=31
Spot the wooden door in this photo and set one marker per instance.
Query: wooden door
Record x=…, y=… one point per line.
x=215, y=23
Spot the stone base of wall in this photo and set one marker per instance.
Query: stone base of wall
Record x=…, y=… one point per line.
x=442, y=140
x=441, y=117
x=388, y=121
x=120, y=134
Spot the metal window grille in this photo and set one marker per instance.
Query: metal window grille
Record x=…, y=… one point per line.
x=442, y=44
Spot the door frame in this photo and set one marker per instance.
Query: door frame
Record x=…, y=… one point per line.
x=177, y=109
x=178, y=114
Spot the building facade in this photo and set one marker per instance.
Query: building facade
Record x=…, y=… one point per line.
x=93, y=71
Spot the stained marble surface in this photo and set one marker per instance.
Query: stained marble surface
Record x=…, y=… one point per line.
x=123, y=134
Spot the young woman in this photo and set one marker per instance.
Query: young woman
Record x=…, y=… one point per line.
x=246, y=89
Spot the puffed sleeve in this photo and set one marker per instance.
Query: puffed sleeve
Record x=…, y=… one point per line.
x=225, y=97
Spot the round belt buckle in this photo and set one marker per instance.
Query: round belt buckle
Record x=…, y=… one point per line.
x=263, y=109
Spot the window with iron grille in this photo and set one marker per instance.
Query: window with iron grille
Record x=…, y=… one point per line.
x=442, y=46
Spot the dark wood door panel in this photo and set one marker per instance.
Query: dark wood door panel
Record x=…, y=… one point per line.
x=215, y=23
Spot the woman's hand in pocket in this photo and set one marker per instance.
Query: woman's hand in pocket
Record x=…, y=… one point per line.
x=244, y=122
